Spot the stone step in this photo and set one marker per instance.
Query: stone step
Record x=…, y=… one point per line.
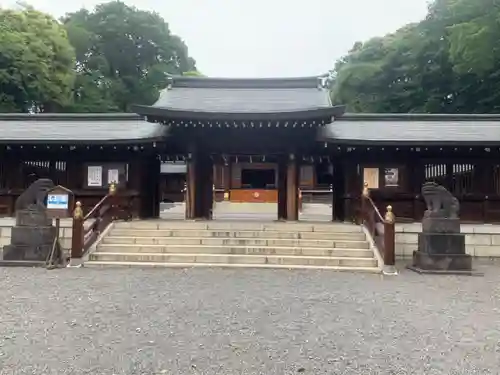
x=239, y=226
x=234, y=259
x=201, y=233
x=108, y=264
x=250, y=250
x=224, y=241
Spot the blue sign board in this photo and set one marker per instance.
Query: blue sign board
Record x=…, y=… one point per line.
x=57, y=201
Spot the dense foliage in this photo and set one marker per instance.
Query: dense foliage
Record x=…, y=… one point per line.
x=106, y=59
x=36, y=62
x=449, y=62
x=99, y=61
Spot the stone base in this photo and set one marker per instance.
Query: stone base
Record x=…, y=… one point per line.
x=29, y=236
x=442, y=262
x=22, y=252
x=29, y=243
x=76, y=263
x=441, y=243
x=453, y=272
x=390, y=271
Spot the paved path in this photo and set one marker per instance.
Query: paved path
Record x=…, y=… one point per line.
x=249, y=211
x=212, y=321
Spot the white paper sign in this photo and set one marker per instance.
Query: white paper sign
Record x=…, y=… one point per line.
x=57, y=201
x=391, y=177
x=113, y=176
x=94, y=176
x=370, y=176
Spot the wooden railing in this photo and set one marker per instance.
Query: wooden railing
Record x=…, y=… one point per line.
x=86, y=229
x=301, y=200
x=382, y=229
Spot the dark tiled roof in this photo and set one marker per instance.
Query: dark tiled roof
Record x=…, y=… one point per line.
x=414, y=129
x=64, y=128
x=225, y=95
x=243, y=95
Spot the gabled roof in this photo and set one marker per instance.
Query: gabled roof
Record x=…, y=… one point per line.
x=77, y=128
x=208, y=98
x=414, y=129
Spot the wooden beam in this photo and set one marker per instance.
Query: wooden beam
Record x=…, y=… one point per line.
x=227, y=179
x=205, y=186
x=282, y=190
x=292, y=189
x=190, y=188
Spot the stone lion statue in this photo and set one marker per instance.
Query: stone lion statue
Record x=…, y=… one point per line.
x=34, y=196
x=440, y=202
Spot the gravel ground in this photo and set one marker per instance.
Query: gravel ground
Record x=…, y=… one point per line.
x=213, y=321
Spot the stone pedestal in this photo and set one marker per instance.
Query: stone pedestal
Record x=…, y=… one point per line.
x=32, y=237
x=27, y=243
x=441, y=243
x=442, y=251
x=441, y=263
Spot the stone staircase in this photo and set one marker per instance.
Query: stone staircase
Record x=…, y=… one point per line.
x=164, y=243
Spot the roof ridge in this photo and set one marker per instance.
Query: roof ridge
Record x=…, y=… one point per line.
x=69, y=116
x=421, y=116
x=312, y=82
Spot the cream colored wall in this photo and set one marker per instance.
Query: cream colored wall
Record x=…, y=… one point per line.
x=481, y=240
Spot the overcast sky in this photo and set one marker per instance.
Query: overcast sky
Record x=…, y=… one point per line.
x=265, y=38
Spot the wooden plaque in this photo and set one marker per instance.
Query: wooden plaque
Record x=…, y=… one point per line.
x=59, y=202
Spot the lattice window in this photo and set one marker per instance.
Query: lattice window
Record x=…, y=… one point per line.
x=462, y=179
x=35, y=169
x=435, y=173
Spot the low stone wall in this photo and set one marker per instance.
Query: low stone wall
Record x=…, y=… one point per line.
x=481, y=240
x=7, y=223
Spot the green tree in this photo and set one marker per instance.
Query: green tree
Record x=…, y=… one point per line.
x=448, y=62
x=407, y=71
x=471, y=30
x=36, y=62
x=124, y=56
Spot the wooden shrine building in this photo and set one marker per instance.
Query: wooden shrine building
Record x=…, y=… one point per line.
x=255, y=140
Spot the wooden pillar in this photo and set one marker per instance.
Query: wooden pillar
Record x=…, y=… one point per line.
x=353, y=173
x=282, y=190
x=483, y=178
x=227, y=179
x=191, y=187
x=416, y=178
x=205, y=184
x=338, y=191
x=292, y=189
x=155, y=168
x=150, y=186
x=199, y=181
x=53, y=175
x=449, y=177
x=75, y=173
x=483, y=184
